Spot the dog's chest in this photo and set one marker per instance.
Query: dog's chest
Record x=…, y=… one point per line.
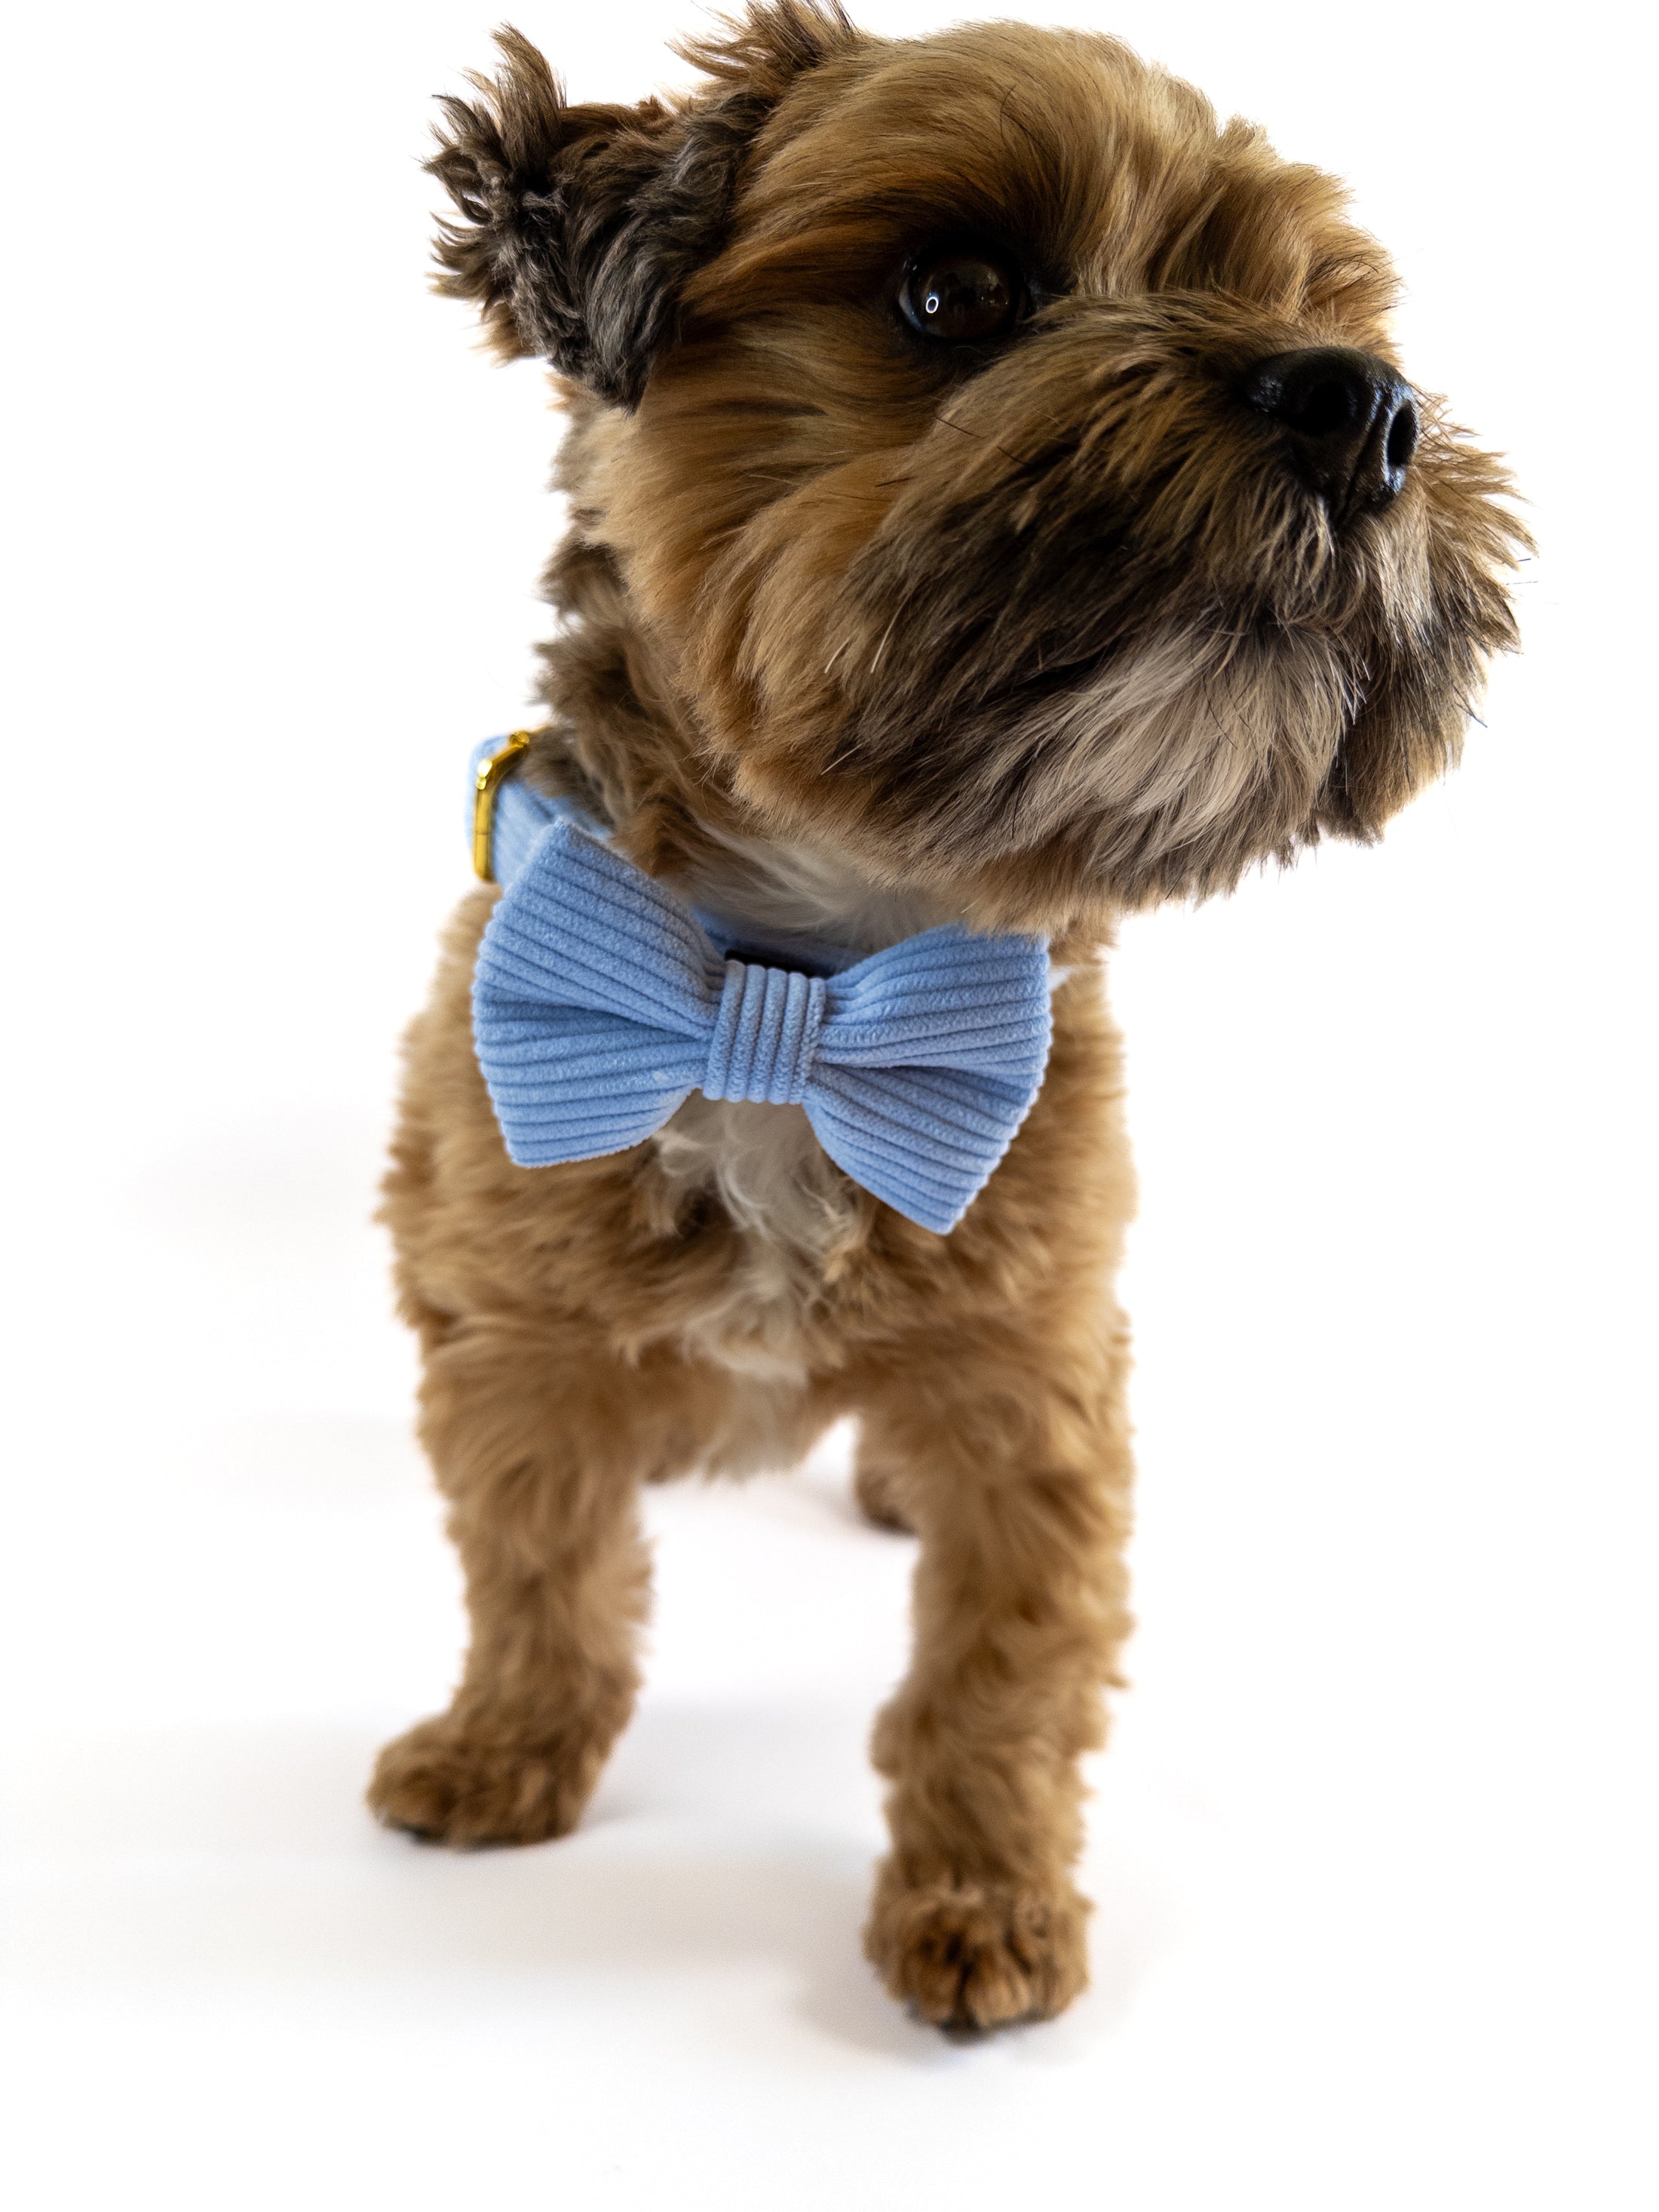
x=793, y=1209
x=767, y=1172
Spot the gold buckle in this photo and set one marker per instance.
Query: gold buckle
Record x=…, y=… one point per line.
x=492, y=774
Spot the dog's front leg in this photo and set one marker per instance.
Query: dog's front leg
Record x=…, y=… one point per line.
x=540, y=1444
x=1018, y=1489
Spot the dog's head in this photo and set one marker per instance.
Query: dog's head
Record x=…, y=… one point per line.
x=1009, y=462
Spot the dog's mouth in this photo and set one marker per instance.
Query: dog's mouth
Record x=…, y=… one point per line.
x=1161, y=734
x=1155, y=711
x=1177, y=754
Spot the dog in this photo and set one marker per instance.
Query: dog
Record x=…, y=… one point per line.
x=994, y=506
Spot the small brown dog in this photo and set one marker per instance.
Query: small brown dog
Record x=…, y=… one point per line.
x=993, y=501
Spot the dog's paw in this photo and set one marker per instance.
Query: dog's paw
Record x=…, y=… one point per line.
x=448, y=1785
x=978, y=1954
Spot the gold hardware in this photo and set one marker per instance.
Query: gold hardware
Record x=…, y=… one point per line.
x=492, y=774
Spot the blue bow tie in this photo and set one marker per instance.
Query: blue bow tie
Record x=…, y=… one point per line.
x=599, y=1002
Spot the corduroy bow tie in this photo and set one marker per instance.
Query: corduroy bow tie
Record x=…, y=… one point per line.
x=600, y=1001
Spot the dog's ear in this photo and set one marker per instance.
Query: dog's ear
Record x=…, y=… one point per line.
x=579, y=226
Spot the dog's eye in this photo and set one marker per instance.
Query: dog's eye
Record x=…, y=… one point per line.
x=962, y=295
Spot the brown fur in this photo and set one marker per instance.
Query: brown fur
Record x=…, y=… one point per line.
x=861, y=634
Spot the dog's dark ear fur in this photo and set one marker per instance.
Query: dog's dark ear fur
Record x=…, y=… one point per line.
x=579, y=226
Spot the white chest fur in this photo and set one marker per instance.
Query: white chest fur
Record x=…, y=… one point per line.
x=762, y=1165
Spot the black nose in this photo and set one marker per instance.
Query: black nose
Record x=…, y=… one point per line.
x=1353, y=427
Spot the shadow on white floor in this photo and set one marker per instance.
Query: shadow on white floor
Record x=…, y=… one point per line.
x=197, y=1859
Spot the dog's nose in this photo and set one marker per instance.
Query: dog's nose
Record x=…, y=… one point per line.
x=1353, y=427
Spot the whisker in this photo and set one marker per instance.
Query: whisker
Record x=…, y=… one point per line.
x=978, y=434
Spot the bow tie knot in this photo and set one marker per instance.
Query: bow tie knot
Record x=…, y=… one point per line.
x=599, y=1003
x=766, y=1028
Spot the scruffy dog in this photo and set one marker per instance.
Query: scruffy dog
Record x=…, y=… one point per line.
x=995, y=502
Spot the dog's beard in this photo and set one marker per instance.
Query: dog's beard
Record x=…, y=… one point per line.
x=1149, y=726
x=1137, y=746
x=1190, y=731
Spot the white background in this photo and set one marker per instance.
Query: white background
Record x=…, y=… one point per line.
x=1374, y=1847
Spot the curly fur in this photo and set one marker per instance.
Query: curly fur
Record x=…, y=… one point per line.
x=580, y=225
x=858, y=634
